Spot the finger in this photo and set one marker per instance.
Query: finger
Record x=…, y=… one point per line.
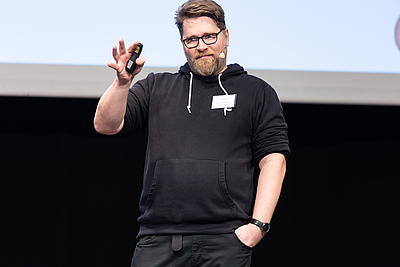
x=112, y=65
x=132, y=47
x=122, y=49
x=115, y=52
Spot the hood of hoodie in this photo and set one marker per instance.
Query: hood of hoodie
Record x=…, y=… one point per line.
x=232, y=70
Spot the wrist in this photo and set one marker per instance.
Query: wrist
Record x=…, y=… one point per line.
x=263, y=226
x=122, y=83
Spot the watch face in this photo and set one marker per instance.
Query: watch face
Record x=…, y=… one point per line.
x=266, y=227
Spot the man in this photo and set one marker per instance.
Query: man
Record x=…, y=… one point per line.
x=208, y=126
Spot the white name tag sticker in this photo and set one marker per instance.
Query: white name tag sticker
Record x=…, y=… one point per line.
x=223, y=101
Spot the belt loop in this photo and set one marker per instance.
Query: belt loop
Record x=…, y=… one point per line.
x=176, y=243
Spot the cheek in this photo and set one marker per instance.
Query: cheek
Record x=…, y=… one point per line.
x=188, y=53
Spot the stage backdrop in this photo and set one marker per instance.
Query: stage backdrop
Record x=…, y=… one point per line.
x=70, y=196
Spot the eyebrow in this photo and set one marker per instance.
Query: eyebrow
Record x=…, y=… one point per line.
x=198, y=36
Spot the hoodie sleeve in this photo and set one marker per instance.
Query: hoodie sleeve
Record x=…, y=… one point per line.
x=270, y=132
x=137, y=106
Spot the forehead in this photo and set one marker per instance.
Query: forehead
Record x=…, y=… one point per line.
x=198, y=27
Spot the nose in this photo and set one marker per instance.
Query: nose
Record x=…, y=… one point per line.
x=202, y=45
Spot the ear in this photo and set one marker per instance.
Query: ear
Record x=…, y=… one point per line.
x=226, y=33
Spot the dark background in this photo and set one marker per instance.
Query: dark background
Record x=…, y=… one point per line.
x=69, y=195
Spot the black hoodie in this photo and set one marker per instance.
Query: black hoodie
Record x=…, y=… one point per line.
x=198, y=176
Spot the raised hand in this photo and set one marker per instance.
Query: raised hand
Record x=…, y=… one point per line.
x=121, y=58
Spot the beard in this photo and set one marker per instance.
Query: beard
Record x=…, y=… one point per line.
x=208, y=67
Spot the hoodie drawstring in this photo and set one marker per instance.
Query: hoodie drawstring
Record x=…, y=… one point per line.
x=223, y=89
x=190, y=93
x=191, y=89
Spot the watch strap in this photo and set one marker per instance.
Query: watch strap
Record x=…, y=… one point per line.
x=263, y=226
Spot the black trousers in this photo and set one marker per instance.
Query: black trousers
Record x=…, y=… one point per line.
x=191, y=250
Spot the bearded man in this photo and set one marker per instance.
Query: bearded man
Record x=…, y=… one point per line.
x=209, y=127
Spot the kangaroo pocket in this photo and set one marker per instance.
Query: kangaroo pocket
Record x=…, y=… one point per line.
x=189, y=191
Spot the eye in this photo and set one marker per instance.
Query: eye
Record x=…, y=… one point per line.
x=209, y=36
x=191, y=40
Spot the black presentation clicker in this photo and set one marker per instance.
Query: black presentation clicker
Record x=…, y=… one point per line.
x=131, y=64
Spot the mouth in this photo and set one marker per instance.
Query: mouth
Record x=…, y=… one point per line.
x=204, y=56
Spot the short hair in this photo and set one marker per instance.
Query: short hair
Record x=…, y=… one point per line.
x=200, y=8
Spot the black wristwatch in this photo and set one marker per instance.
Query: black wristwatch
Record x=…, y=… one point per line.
x=263, y=226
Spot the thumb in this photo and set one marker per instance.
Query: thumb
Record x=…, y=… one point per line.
x=139, y=65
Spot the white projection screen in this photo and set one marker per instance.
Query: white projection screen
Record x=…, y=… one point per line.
x=311, y=51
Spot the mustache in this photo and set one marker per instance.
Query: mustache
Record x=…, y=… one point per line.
x=198, y=55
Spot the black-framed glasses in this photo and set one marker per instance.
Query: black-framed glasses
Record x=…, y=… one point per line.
x=208, y=39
